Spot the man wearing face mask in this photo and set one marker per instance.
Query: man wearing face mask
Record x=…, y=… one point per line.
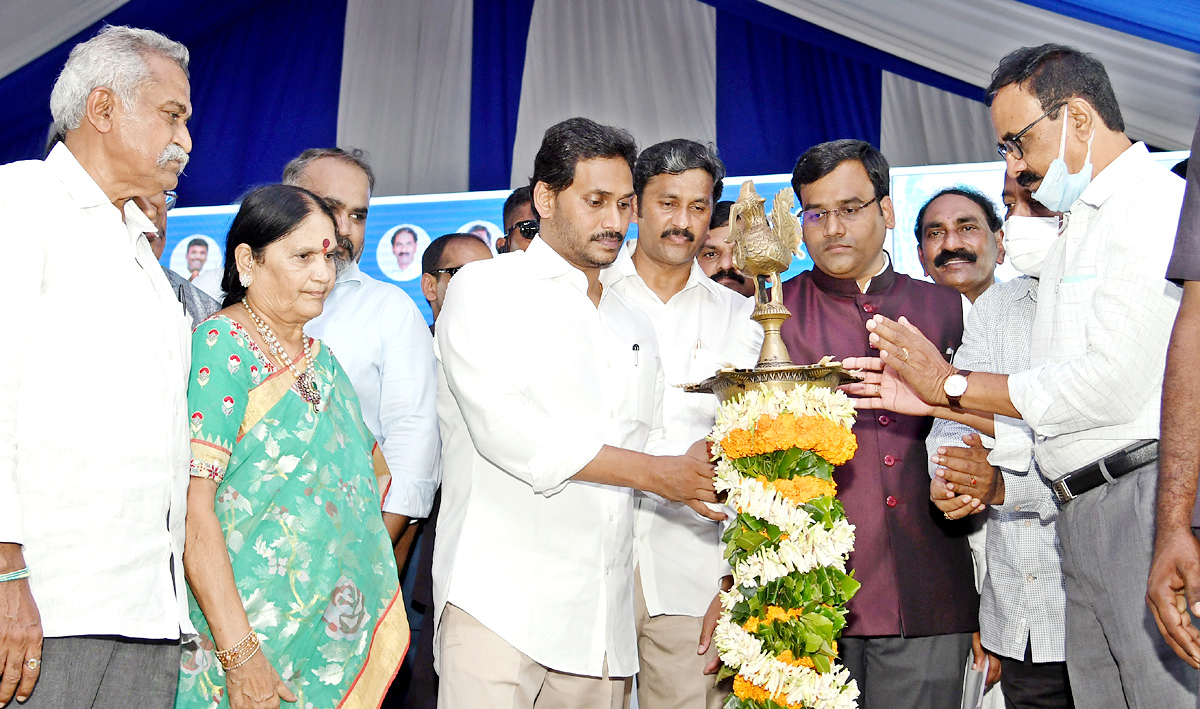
x=1092, y=393
x=1021, y=621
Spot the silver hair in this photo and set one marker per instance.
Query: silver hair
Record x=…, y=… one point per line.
x=116, y=59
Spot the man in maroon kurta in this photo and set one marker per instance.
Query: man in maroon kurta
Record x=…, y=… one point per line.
x=910, y=625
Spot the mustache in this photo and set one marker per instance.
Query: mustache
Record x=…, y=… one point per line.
x=1027, y=178
x=941, y=259
x=676, y=231
x=608, y=235
x=173, y=152
x=730, y=273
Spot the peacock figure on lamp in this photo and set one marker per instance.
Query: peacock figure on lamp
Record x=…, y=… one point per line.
x=763, y=249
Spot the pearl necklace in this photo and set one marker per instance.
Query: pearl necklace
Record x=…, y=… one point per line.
x=306, y=385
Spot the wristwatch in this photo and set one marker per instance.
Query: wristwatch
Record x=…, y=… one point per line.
x=955, y=386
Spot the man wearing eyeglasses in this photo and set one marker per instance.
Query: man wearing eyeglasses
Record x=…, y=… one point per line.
x=1092, y=393
x=909, y=628
x=519, y=225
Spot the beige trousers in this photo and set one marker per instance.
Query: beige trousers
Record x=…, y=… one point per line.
x=480, y=669
x=671, y=674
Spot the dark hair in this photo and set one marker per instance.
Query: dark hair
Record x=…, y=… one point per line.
x=197, y=242
x=990, y=216
x=820, y=160
x=1054, y=73
x=720, y=214
x=431, y=260
x=673, y=157
x=267, y=214
x=576, y=139
x=354, y=156
x=403, y=230
x=521, y=196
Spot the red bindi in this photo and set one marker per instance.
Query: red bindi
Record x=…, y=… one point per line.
x=325, y=246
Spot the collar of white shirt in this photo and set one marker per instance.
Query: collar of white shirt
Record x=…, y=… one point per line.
x=351, y=273
x=545, y=263
x=86, y=194
x=624, y=267
x=1120, y=173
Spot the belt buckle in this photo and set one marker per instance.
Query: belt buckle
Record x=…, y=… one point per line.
x=1061, y=491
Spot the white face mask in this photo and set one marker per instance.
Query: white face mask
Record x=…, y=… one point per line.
x=1059, y=188
x=1026, y=241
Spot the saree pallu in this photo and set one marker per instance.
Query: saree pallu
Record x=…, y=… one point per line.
x=299, y=504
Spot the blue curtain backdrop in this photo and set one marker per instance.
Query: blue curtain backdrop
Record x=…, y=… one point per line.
x=768, y=112
x=1173, y=23
x=265, y=82
x=497, y=64
x=784, y=85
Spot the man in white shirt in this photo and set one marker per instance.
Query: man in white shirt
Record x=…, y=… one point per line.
x=700, y=325
x=1092, y=395
x=380, y=338
x=960, y=241
x=533, y=570
x=93, y=410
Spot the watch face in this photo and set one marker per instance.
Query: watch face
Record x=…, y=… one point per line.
x=956, y=385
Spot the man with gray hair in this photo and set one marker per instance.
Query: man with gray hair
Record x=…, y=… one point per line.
x=93, y=410
x=381, y=340
x=700, y=325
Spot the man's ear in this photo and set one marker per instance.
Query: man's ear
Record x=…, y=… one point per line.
x=1000, y=246
x=101, y=109
x=429, y=287
x=501, y=245
x=889, y=213
x=543, y=199
x=637, y=210
x=921, y=258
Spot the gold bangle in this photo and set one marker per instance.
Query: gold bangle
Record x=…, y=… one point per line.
x=244, y=660
x=239, y=653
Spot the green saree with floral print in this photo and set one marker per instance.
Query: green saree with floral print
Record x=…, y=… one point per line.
x=299, y=503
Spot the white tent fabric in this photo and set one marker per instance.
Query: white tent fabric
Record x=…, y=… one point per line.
x=1158, y=86
x=649, y=67
x=30, y=28
x=406, y=92
x=923, y=125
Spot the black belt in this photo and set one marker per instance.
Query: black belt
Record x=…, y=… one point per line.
x=1105, y=470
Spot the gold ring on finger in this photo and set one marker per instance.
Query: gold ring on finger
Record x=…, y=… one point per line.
x=974, y=481
x=904, y=351
x=33, y=663
x=947, y=515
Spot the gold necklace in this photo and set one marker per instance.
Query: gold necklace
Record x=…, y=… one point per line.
x=306, y=385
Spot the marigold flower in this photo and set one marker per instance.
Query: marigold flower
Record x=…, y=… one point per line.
x=802, y=489
x=745, y=689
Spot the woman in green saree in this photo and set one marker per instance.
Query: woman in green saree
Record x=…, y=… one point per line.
x=289, y=564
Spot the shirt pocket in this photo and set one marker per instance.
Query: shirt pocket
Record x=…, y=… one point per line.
x=1072, y=305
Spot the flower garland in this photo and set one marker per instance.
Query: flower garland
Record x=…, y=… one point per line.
x=788, y=547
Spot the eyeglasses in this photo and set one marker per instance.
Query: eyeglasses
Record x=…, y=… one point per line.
x=849, y=212
x=1013, y=144
x=448, y=271
x=172, y=198
x=528, y=228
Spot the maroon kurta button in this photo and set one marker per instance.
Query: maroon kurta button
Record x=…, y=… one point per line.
x=868, y=307
x=891, y=501
x=889, y=460
x=884, y=420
